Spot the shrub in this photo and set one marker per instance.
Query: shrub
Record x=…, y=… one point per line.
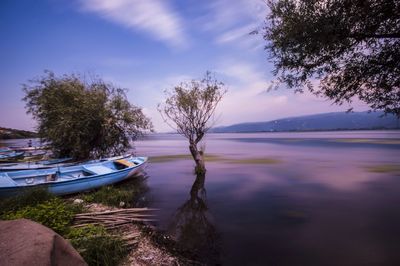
x=104, y=250
x=55, y=214
x=96, y=246
x=78, y=235
x=29, y=197
x=82, y=119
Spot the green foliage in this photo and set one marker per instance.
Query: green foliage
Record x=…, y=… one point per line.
x=96, y=246
x=55, y=214
x=352, y=46
x=190, y=107
x=130, y=192
x=108, y=195
x=103, y=250
x=83, y=119
x=28, y=198
x=79, y=235
x=384, y=168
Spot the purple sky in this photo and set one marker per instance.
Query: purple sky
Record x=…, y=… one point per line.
x=147, y=47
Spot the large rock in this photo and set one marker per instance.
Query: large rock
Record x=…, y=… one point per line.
x=23, y=242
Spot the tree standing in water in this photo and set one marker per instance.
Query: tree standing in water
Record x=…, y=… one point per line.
x=190, y=107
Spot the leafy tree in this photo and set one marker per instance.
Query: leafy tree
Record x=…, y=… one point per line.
x=353, y=46
x=83, y=119
x=190, y=107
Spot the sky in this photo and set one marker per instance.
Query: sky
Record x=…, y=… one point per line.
x=147, y=46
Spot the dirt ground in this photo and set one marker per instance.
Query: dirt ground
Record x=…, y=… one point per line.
x=145, y=252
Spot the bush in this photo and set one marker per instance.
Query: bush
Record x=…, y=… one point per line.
x=83, y=119
x=55, y=214
x=96, y=246
x=29, y=197
x=104, y=250
x=78, y=235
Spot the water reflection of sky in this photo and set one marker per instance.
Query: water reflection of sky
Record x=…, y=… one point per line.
x=320, y=198
x=317, y=203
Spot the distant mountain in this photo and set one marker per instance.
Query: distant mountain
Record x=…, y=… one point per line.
x=318, y=122
x=9, y=133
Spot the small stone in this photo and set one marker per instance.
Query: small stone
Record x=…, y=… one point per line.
x=121, y=204
x=78, y=201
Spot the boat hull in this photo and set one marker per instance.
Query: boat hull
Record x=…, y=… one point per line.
x=11, y=156
x=75, y=185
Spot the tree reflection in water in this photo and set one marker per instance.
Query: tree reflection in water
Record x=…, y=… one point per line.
x=192, y=226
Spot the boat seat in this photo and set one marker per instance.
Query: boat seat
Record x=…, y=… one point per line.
x=98, y=169
x=125, y=162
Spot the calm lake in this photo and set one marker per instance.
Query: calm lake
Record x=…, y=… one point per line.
x=320, y=198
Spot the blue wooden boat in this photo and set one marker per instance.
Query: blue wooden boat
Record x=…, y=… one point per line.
x=36, y=148
x=10, y=156
x=46, y=164
x=52, y=163
x=71, y=179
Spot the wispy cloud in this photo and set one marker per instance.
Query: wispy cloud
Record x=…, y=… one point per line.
x=241, y=35
x=154, y=17
x=232, y=21
x=249, y=100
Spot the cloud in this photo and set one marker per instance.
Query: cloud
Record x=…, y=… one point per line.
x=241, y=36
x=225, y=14
x=232, y=21
x=155, y=17
x=249, y=100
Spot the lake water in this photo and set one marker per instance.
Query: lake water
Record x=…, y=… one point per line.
x=318, y=198
x=322, y=198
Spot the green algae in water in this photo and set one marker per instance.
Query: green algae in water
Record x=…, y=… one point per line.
x=215, y=158
x=384, y=168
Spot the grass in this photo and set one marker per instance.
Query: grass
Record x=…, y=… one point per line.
x=384, y=168
x=29, y=197
x=96, y=246
x=54, y=213
x=105, y=250
x=129, y=194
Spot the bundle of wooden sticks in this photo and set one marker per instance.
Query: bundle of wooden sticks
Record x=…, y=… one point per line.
x=115, y=218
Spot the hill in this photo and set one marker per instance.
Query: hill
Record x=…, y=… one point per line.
x=9, y=133
x=318, y=122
